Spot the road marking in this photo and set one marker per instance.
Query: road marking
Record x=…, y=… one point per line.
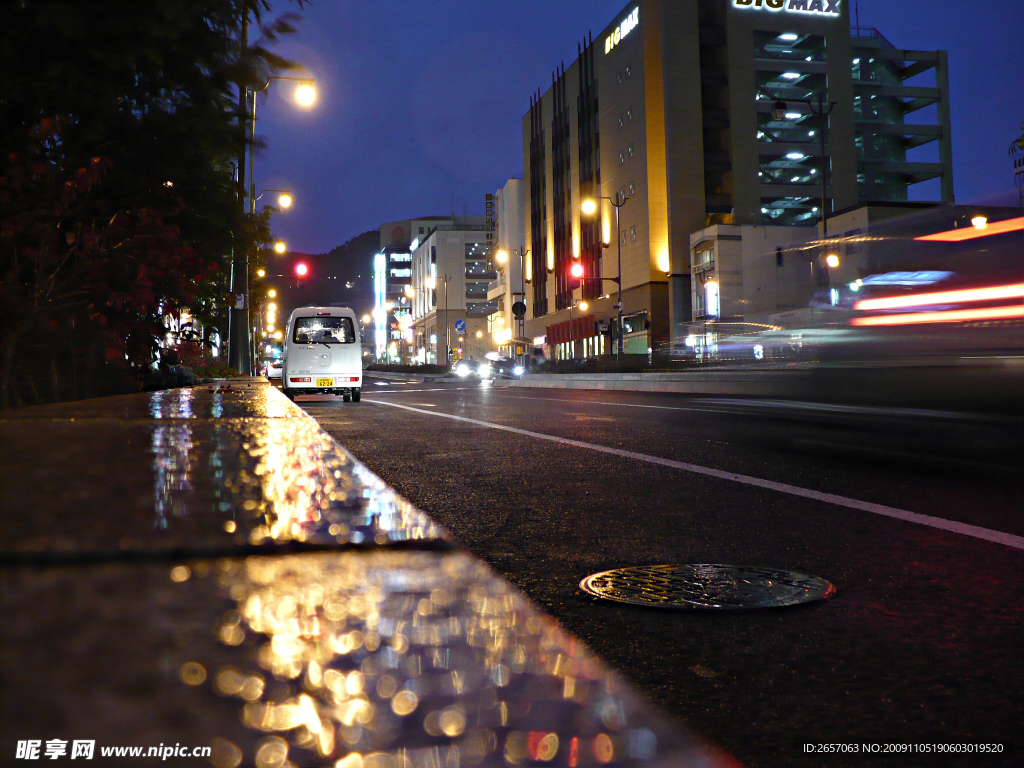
x=974, y=531
x=743, y=406
x=626, y=405
x=406, y=391
x=861, y=410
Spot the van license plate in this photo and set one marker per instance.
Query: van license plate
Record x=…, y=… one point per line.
x=325, y=382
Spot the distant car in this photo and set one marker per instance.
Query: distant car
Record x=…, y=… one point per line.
x=274, y=369
x=499, y=368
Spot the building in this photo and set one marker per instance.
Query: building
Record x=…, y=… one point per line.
x=686, y=114
x=451, y=271
x=393, y=283
x=508, y=254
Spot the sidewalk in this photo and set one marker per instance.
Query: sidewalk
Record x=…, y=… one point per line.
x=207, y=568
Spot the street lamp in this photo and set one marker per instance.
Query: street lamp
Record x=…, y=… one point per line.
x=780, y=112
x=518, y=307
x=447, y=340
x=284, y=196
x=589, y=207
x=239, y=351
x=572, y=335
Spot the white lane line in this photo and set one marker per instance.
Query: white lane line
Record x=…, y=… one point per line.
x=626, y=405
x=974, y=531
x=406, y=391
x=742, y=406
x=866, y=410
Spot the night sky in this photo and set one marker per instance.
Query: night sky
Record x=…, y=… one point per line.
x=421, y=101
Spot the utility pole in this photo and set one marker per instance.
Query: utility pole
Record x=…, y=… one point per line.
x=447, y=345
x=238, y=316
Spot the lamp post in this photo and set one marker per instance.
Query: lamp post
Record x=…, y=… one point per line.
x=284, y=197
x=239, y=352
x=432, y=284
x=520, y=317
x=589, y=207
x=779, y=111
x=572, y=331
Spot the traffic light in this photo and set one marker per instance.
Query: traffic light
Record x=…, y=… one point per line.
x=575, y=274
x=301, y=269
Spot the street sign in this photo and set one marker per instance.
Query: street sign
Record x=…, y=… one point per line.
x=460, y=326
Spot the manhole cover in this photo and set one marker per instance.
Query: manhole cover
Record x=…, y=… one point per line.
x=703, y=585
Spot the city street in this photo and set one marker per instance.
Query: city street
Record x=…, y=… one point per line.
x=914, y=517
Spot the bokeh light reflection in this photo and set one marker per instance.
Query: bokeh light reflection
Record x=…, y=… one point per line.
x=404, y=659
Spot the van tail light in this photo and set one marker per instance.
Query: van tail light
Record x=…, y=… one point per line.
x=299, y=379
x=348, y=378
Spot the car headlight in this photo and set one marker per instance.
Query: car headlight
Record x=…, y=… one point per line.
x=462, y=369
x=484, y=371
x=517, y=371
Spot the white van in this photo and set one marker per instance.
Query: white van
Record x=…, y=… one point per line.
x=323, y=354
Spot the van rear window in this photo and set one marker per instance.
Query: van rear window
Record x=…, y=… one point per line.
x=333, y=330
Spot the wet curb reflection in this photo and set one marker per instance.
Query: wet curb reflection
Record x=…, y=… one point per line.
x=214, y=569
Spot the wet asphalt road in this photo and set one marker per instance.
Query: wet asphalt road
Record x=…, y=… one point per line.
x=919, y=650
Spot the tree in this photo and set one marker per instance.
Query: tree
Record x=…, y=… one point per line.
x=119, y=203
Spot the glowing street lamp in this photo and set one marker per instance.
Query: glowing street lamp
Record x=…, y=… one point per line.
x=285, y=198
x=589, y=207
x=240, y=353
x=305, y=94
x=280, y=246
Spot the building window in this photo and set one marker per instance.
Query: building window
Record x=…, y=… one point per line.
x=421, y=230
x=632, y=233
x=632, y=188
x=619, y=76
x=704, y=258
x=622, y=157
x=622, y=237
x=627, y=70
x=629, y=113
x=630, y=150
x=622, y=193
x=620, y=120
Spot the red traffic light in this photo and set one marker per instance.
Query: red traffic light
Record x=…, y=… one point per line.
x=576, y=270
x=301, y=269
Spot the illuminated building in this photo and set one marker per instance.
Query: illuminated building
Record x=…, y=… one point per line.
x=393, y=308
x=709, y=112
x=451, y=272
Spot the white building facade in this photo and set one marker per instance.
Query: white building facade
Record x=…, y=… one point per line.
x=451, y=272
x=508, y=254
